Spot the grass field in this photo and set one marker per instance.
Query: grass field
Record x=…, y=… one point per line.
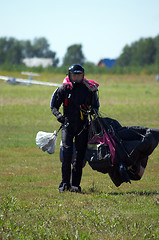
x=30, y=204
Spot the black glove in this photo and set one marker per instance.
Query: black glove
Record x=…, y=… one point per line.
x=61, y=118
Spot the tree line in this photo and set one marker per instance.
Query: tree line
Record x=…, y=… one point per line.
x=140, y=53
x=12, y=51
x=143, y=53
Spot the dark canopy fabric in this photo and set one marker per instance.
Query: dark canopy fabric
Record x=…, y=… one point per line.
x=133, y=145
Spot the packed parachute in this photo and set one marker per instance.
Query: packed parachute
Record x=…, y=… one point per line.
x=122, y=152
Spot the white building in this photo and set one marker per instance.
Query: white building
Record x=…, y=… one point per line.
x=36, y=62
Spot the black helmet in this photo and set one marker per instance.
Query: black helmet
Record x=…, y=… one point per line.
x=76, y=68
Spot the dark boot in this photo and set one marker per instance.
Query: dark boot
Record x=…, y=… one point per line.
x=76, y=189
x=64, y=187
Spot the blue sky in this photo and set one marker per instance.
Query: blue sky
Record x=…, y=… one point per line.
x=103, y=27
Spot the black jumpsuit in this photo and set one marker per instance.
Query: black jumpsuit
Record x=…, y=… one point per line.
x=75, y=103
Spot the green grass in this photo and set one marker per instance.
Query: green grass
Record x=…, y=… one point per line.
x=30, y=204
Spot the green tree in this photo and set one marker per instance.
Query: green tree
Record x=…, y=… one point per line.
x=27, y=49
x=143, y=52
x=140, y=53
x=41, y=48
x=74, y=55
x=125, y=57
x=10, y=51
x=156, y=40
x=14, y=53
x=3, y=48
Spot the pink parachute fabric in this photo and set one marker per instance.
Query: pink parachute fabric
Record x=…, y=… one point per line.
x=105, y=139
x=68, y=83
x=92, y=86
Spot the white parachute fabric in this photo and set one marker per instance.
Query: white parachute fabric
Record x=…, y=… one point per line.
x=46, y=141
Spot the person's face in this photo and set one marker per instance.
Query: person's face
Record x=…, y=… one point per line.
x=76, y=77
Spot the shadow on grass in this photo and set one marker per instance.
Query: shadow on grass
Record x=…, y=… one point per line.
x=116, y=193
x=93, y=189
x=140, y=193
